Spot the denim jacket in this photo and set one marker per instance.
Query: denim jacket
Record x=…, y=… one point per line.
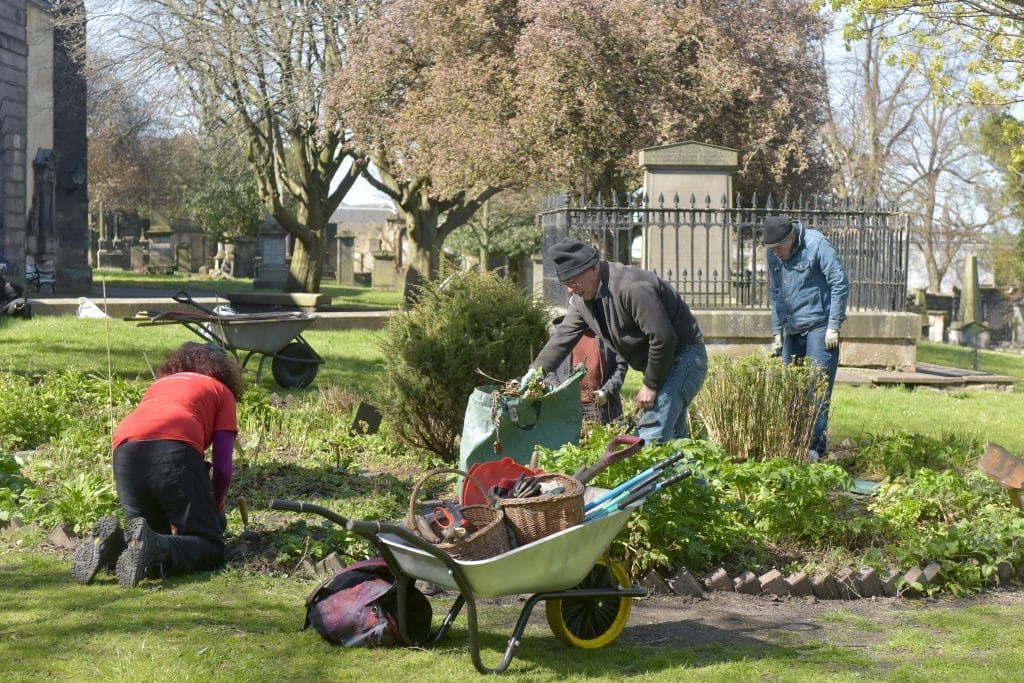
x=811, y=288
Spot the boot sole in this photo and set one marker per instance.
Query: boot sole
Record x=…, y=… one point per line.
x=100, y=549
x=140, y=553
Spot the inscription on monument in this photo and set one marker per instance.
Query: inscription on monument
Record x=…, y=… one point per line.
x=688, y=154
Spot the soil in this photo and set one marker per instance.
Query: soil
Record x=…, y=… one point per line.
x=728, y=619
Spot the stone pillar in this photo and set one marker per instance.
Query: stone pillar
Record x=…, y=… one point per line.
x=971, y=300
x=345, y=267
x=536, y=278
x=676, y=173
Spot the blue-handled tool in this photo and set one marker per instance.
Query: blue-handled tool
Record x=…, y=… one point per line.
x=644, y=476
x=640, y=493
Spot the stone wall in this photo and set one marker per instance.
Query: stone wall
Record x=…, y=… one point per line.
x=869, y=338
x=13, y=97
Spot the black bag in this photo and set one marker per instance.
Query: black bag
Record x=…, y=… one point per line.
x=358, y=606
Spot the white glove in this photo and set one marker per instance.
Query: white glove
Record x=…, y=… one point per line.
x=526, y=380
x=777, y=345
x=601, y=397
x=831, y=339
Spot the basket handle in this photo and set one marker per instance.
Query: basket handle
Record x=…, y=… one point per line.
x=492, y=500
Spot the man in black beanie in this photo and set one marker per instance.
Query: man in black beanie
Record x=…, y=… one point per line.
x=640, y=316
x=808, y=289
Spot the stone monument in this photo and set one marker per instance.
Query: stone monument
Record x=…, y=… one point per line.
x=673, y=174
x=272, y=272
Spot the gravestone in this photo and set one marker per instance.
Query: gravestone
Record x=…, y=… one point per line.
x=344, y=269
x=273, y=267
x=679, y=172
x=161, y=253
x=383, y=270
x=241, y=261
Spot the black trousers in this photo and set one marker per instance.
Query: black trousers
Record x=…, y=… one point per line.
x=168, y=484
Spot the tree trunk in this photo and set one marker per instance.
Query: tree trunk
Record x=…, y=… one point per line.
x=424, y=252
x=307, y=265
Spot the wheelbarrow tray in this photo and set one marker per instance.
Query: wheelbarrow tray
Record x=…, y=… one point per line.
x=260, y=332
x=265, y=333
x=553, y=563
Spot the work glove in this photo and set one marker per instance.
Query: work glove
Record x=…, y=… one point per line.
x=601, y=397
x=831, y=339
x=777, y=345
x=526, y=380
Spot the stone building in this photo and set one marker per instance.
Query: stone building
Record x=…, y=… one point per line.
x=377, y=231
x=43, y=152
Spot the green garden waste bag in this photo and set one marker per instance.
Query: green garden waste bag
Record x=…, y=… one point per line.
x=498, y=426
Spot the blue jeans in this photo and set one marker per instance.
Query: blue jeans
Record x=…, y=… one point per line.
x=666, y=419
x=811, y=344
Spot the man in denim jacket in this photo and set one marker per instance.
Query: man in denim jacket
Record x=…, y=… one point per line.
x=808, y=288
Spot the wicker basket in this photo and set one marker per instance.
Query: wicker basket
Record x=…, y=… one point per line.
x=540, y=516
x=490, y=537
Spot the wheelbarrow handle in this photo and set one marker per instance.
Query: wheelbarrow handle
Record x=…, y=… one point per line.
x=612, y=454
x=183, y=297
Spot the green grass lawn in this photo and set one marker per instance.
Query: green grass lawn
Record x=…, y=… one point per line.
x=353, y=359
x=233, y=626
x=993, y=362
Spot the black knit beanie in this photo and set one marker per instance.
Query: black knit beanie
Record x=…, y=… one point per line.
x=571, y=258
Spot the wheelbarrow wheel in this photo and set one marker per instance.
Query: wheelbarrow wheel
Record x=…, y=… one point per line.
x=297, y=367
x=592, y=622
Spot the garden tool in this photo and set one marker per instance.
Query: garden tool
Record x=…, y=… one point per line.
x=620, y=448
x=647, y=475
x=525, y=487
x=449, y=515
x=247, y=534
x=631, y=497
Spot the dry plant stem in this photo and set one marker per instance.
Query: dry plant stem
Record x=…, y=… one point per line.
x=110, y=371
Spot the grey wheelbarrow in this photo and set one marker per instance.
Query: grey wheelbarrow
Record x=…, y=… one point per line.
x=275, y=335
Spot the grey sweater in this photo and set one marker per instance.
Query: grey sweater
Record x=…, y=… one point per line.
x=646, y=322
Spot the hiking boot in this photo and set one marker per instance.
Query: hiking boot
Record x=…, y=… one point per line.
x=145, y=549
x=99, y=550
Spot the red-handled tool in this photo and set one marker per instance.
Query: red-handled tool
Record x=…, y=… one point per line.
x=620, y=448
x=449, y=515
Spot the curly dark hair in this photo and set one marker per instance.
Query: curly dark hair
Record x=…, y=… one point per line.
x=205, y=359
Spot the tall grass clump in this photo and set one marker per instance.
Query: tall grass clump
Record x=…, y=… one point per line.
x=432, y=352
x=756, y=408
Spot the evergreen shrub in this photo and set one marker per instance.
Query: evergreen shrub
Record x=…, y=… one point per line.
x=435, y=352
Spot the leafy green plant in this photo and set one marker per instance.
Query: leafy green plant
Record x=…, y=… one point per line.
x=28, y=416
x=756, y=408
x=467, y=323
x=788, y=501
x=903, y=453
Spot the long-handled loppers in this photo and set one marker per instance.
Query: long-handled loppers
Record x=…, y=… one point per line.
x=627, y=498
x=653, y=472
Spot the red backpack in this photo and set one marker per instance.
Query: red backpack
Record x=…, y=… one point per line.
x=358, y=607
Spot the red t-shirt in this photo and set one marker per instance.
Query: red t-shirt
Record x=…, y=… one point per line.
x=185, y=406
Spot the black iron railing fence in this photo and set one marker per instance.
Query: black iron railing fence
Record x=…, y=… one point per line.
x=713, y=255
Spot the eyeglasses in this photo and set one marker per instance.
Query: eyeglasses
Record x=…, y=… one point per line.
x=572, y=283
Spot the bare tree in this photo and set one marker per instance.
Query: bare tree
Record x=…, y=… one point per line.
x=893, y=138
x=256, y=70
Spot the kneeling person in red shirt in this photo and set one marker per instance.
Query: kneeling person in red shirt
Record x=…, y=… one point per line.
x=162, y=477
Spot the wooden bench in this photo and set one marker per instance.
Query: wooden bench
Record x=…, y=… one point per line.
x=1004, y=468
